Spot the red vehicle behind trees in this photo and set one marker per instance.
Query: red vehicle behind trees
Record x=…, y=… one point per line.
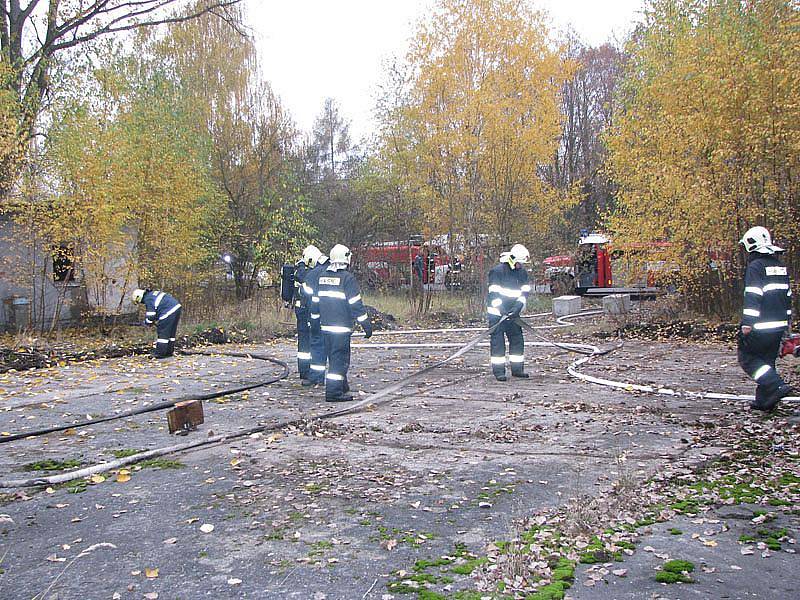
x=589, y=271
x=397, y=264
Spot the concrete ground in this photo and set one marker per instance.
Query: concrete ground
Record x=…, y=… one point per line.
x=450, y=467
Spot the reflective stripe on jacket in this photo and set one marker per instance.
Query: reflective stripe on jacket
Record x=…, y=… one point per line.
x=508, y=288
x=337, y=301
x=159, y=305
x=767, y=294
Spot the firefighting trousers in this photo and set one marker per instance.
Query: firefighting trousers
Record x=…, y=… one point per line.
x=497, y=345
x=303, y=342
x=166, y=330
x=337, y=349
x=318, y=356
x=757, y=354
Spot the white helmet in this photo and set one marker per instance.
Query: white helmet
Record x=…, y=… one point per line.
x=138, y=296
x=519, y=255
x=758, y=239
x=340, y=255
x=311, y=255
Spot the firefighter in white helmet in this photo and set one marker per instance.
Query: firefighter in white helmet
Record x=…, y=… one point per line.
x=163, y=311
x=508, y=293
x=299, y=302
x=336, y=306
x=316, y=374
x=766, y=317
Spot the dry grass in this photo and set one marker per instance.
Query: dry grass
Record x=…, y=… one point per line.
x=444, y=306
x=259, y=317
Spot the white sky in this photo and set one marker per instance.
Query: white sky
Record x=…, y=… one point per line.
x=313, y=49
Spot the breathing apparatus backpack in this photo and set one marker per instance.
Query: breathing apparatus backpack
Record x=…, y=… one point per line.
x=287, y=282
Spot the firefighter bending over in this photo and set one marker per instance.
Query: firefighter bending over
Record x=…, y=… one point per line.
x=766, y=317
x=316, y=374
x=163, y=311
x=508, y=293
x=335, y=306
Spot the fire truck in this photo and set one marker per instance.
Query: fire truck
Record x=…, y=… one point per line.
x=397, y=264
x=589, y=271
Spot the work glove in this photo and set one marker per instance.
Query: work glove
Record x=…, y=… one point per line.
x=367, y=326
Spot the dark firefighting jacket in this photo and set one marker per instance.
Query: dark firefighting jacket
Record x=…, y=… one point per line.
x=310, y=283
x=508, y=289
x=337, y=301
x=158, y=306
x=300, y=273
x=767, y=294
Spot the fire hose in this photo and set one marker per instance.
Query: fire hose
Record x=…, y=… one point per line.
x=373, y=399
x=162, y=405
x=380, y=397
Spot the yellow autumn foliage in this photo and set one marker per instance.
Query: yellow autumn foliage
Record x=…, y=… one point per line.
x=479, y=116
x=707, y=142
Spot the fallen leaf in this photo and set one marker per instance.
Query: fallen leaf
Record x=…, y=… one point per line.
x=234, y=581
x=170, y=541
x=151, y=573
x=151, y=596
x=206, y=528
x=97, y=478
x=54, y=558
x=620, y=572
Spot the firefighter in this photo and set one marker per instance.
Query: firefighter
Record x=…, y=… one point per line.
x=508, y=293
x=316, y=374
x=766, y=317
x=164, y=311
x=301, y=310
x=419, y=268
x=336, y=305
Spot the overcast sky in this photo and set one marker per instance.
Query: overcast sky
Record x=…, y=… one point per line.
x=313, y=49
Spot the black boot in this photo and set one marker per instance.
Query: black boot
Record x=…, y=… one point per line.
x=501, y=377
x=520, y=374
x=759, y=399
x=772, y=401
x=344, y=397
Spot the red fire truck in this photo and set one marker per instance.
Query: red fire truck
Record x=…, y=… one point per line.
x=393, y=264
x=589, y=271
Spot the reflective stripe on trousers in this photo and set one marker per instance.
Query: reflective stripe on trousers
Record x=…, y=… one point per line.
x=337, y=349
x=516, y=346
x=303, y=342
x=166, y=330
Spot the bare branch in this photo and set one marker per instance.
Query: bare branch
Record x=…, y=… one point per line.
x=111, y=26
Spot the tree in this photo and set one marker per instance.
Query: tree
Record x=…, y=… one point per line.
x=253, y=144
x=35, y=35
x=481, y=115
x=707, y=142
x=132, y=197
x=587, y=104
x=330, y=142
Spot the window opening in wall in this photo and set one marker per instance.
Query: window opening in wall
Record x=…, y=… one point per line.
x=63, y=264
